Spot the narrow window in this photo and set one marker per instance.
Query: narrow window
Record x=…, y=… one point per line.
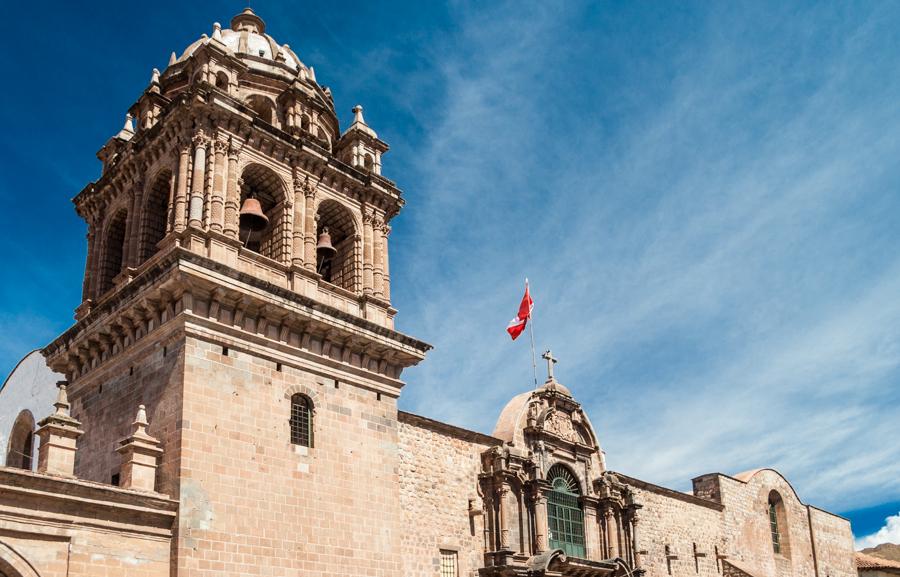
x=564, y=515
x=301, y=421
x=773, y=524
x=449, y=564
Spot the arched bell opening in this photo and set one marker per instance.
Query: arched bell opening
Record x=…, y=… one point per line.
x=262, y=227
x=156, y=214
x=336, y=229
x=20, y=451
x=263, y=107
x=113, y=250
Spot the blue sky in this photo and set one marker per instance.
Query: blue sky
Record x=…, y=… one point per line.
x=704, y=197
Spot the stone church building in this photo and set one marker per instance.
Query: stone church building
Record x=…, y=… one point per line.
x=227, y=402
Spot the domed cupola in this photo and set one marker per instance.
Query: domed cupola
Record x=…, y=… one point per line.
x=247, y=39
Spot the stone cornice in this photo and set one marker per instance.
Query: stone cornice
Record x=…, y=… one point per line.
x=179, y=283
x=75, y=502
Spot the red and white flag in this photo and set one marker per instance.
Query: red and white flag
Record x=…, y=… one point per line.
x=517, y=325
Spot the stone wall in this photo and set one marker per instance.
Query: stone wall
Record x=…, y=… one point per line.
x=439, y=466
x=31, y=386
x=253, y=503
x=106, y=400
x=678, y=534
x=833, y=540
x=56, y=527
x=747, y=528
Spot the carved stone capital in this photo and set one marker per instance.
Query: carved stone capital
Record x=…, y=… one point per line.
x=200, y=139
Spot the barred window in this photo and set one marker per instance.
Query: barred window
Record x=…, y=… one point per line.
x=449, y=565
x=301, y=421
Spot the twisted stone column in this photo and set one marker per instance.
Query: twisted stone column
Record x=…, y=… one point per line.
x=184, y=158
x=195, y=210
x=217, y=198
x=232, y=193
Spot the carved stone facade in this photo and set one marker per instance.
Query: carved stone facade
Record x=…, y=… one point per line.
x=229, y=402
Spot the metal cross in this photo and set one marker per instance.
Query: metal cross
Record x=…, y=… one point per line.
x=550, y=362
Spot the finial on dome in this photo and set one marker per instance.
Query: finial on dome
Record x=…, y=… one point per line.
x=217, y=31
x=172, y=59
x=248, y=20
x=154, y=76
x=357, y=114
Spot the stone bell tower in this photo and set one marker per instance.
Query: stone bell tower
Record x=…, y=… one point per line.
x=237, y=285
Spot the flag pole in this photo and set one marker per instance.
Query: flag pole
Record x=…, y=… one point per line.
x=531, y=331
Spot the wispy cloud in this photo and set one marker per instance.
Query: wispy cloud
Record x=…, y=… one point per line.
x=709, y=238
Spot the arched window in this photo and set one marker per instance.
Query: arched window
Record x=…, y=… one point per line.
x=21, y=442
x=222, y=80
x=564, y=515
x=113, y=251
x=338, y=269
x=266, y=186
x=156, y=214
x=301, y=420
x=264, y=107
x=778, y=524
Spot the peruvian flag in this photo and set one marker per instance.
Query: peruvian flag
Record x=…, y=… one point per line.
x=517, y=325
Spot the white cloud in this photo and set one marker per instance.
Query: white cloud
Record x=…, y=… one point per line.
x=890, y=533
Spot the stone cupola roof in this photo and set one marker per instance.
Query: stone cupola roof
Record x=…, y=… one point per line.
x=247, y=39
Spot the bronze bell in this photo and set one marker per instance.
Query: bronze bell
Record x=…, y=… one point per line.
x=324, y=248
x=252, y=217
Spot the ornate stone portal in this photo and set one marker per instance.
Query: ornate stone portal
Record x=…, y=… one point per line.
x=550, y=504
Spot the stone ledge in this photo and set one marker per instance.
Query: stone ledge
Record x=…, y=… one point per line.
x=447, y=429
x=74, y=502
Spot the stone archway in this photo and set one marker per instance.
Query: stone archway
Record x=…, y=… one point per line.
x=14, y=565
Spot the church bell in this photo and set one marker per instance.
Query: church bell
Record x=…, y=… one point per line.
x=252, y=216
x=324, y=249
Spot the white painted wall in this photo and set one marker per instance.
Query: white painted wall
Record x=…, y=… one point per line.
x=32, y=386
